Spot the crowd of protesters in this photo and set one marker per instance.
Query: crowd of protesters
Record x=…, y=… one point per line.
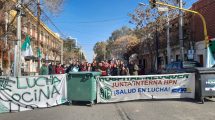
x=107, y=68
x=52, y=69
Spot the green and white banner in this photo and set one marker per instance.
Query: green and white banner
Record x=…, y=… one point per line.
x=124, y=88
x=27, y=93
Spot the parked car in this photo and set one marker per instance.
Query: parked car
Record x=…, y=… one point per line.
x=181, y=67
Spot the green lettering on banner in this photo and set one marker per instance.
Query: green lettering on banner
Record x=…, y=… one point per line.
x=186, y=76
x=16, y=97
x=166, y=77
x=49, y=81
x=35, y=95
x=19, y=85
x=105, y=93
x=56, y=80
x=148, y=78
x=103, y=79
x=30, y=85
x=4, y=85
x=132, y=79
x=54, y=90
x=39, y=79
x=24, y=97
x=112, y=79
x=178, y=76
x=154, y=77
x=47, y=95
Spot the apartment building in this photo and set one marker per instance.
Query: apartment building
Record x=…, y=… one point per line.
x=49, y=42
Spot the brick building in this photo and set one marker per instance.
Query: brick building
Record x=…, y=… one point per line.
x=193, y=36
x=207, y=9
x=50, y=43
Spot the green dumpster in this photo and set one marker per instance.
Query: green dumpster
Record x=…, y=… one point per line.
x=81, y=86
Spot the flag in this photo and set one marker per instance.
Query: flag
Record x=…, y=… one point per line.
x=210, y=54
x=39, y=53
x=26, y=47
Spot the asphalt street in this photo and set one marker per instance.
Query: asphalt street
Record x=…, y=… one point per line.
x=133, y=110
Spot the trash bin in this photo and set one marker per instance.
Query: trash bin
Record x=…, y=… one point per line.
x=81, y=86
x=207, y=83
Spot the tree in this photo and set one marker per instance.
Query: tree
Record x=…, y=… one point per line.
x=100, y=51
x=124, y=45
x=114, y=36
x=150, y=26
x=5, y=7
x=54, y=6
x=71, y=52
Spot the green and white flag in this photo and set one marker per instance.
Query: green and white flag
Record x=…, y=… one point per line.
x=26, y=47
x=210, y=54
x=39, y=53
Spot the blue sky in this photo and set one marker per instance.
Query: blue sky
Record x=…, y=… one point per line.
x=91, y=21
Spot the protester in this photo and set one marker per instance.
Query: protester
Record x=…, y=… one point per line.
x=133, y=68
x=124, y=70
x=60, y=69
x=1, y=71
x=51, y=68
x=69, y=68
x=89, y=67
x=76, y=67
x=83, y=66
x=136, y=69
x=104, y=68
x=107, y=68
x=44, y=70
x=63, y=68
x=94, y=66
x=115, y=70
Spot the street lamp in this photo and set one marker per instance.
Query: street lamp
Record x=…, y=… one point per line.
x=142, y=4
x=167, y=31
x=168, y=35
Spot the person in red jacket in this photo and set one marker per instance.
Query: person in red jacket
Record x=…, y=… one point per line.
x=59, y=69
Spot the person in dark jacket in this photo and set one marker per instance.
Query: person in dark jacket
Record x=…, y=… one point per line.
x=51, y=69
x=124, y=70
x=115, y=70
x=69, y=68
x=94, y=66
x=1, y=71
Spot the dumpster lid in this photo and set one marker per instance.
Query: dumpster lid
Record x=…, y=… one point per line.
x=85, y=73
x=206, y=70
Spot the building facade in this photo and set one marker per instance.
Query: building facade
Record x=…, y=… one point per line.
x=50, y=43
x=193, y=37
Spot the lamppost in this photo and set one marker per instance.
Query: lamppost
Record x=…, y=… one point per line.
x=17, y=55
x=167, y=31
x=181, y=37
x=204, y=26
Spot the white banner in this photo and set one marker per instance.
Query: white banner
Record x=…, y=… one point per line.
x=124, y=88
x=27, y=93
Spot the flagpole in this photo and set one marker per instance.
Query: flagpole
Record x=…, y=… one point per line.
x=38, y=33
